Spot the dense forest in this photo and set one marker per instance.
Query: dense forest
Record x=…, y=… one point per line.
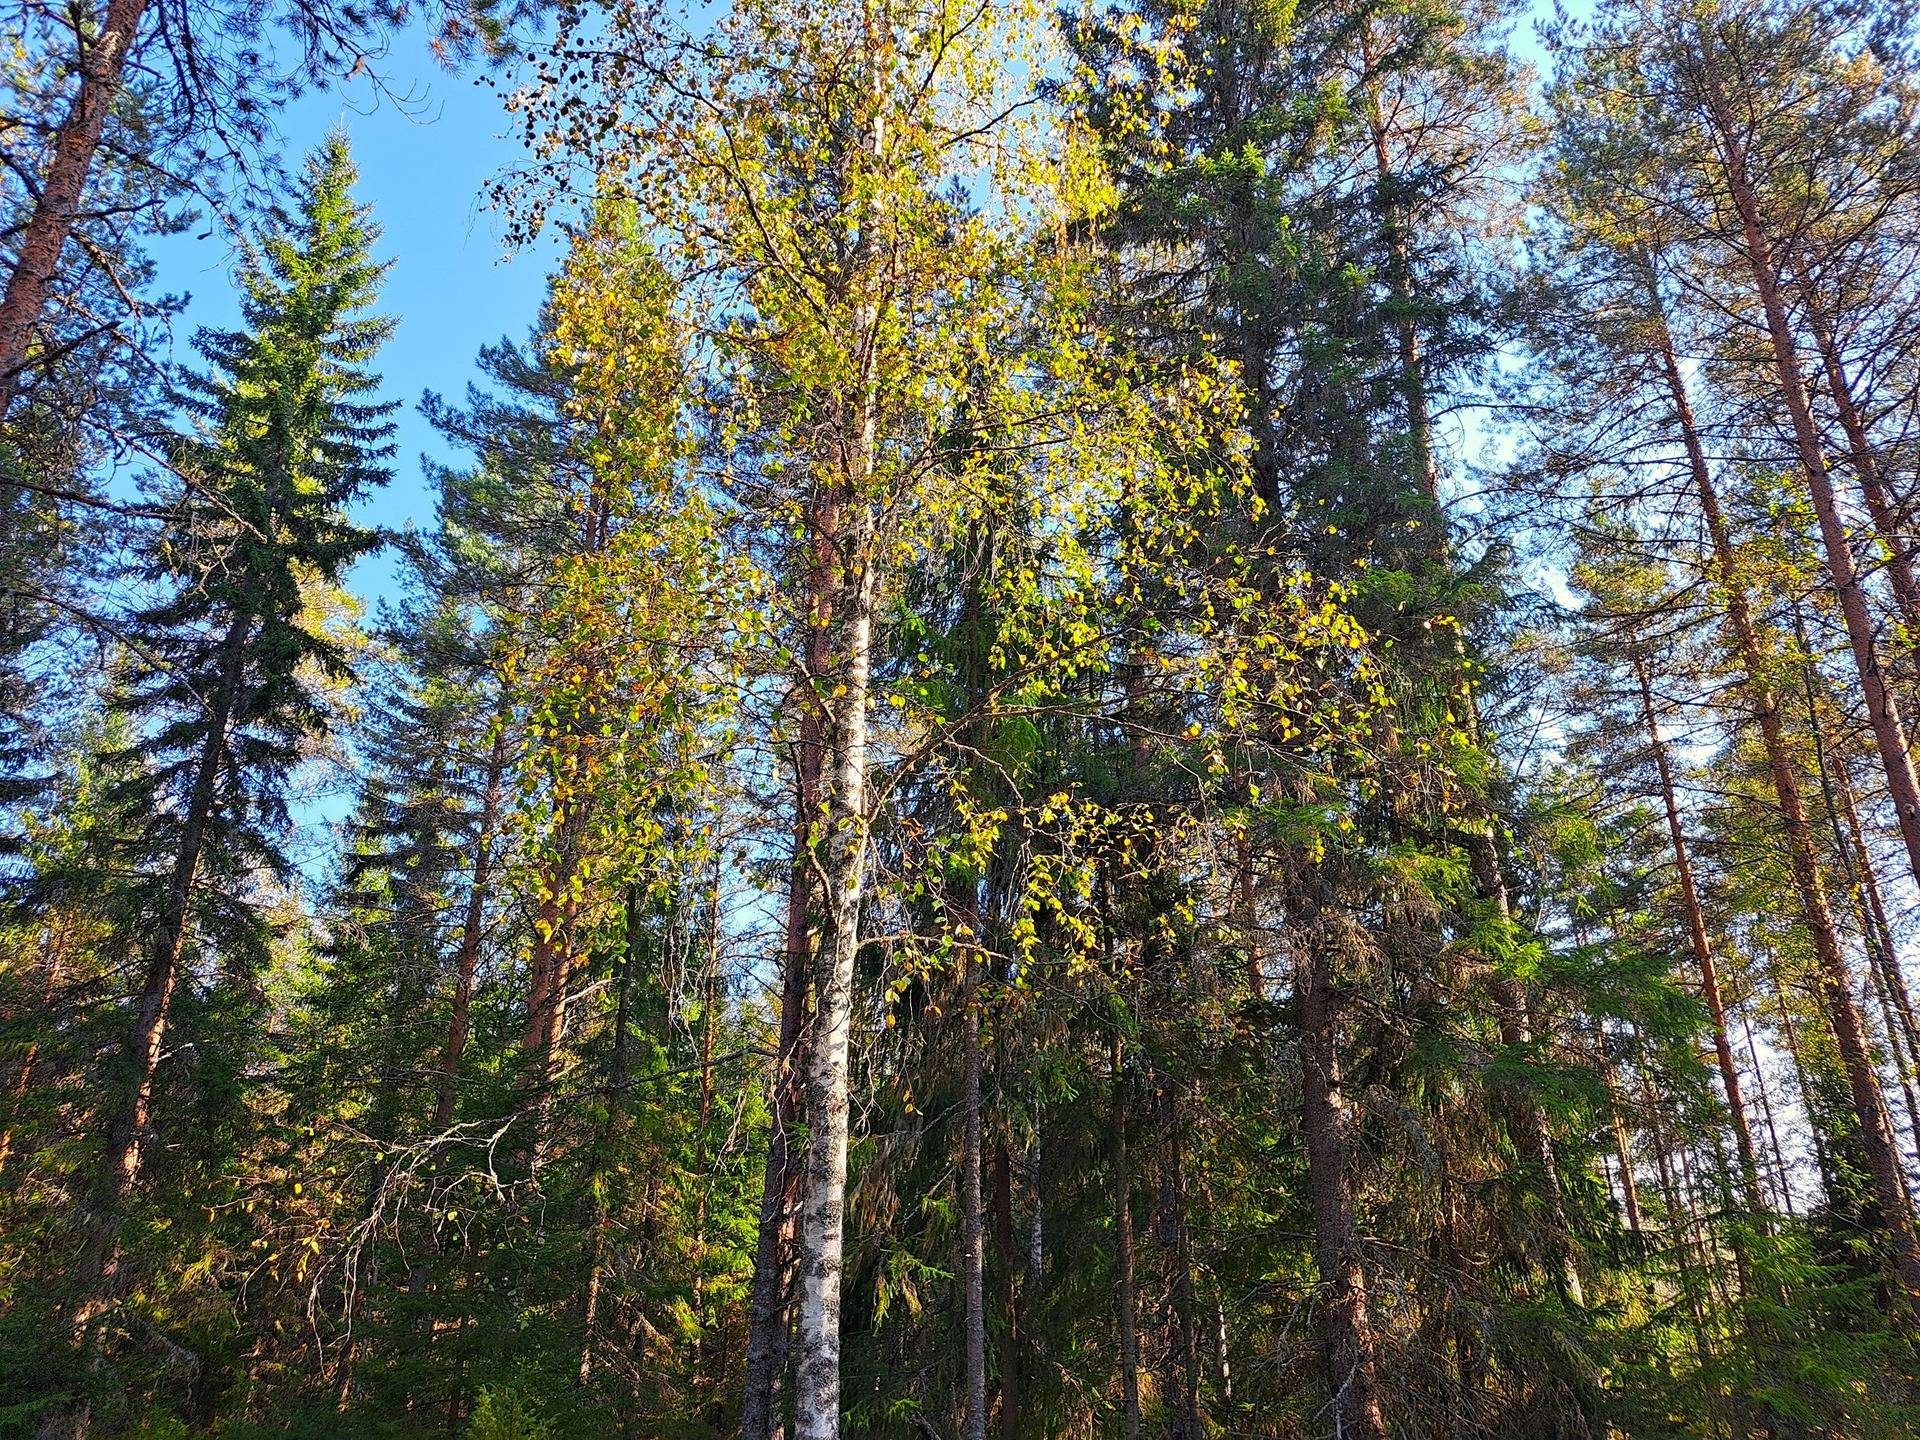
x=1152, y=718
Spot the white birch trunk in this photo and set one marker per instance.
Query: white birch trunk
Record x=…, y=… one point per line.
x=824, y=1187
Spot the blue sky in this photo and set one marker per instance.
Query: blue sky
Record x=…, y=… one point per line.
x=453, y=287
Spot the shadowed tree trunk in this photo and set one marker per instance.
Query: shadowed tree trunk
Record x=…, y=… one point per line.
x=472, y=930
x=972, y=1220
x=1346, y=1322
x=1622, y=1150
x=1182, y=1384
x=616, y=1107
x=1126, y=1301
x=126, y=1133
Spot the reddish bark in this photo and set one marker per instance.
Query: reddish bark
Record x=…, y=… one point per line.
x=103, y=60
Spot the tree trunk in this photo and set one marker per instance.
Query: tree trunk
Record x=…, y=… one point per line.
x=972, y=1217
x=126, y=1133
x=52, y=953
x=823, y=1201
x=1526, y=1117
x=1346, y=1323
x=1702, y=947
x=550, y=972
x=702, y=1160
x=1884, y=952
x=1126, y=1303
x=1854, y=861
x=1413, y=379
x=768, y=1323
x=1622, y=1150
x=103, y=60
x=472, y=931
x=1182, y=1385
x=1865, y=463
x=1036, y=1220
x=616, y=1108
x=1012, y=1400
x=1836, y=979
x=1781, y=1186
x=1883, y=711
x=1796, y=1057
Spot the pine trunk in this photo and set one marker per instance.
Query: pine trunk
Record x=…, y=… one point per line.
x=1702, y=947
x=103, y=60
x=1864, y=460
x=1836, y=978
x=1883, y=711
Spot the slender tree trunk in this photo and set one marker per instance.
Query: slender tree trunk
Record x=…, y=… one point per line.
x=550, y=977
x=551, y=971
x=1883, y=711
x=1796, y=1057
x=1222, y=1351
x=1126, y=1302
x=1884, y=951
x=1036, y=1220
x=972, y=1217
x=1528, y=1119
x=383, y=1129
x=769, y=1319
x=120, y=1167
x=1622, y=1149
x=1780, y=1180
x=473, y=926
x=1895, y=1052
x=709, y=1030
x=1413, y=378
x=1012, y=1398
x=1865, y=463
x=52, y=955
x=156, y=992
x=1346, y=1323
x=1866, y=909
x=1679, y=1210
x=1702, y=946
x=1182, y=1385
x=616, y=1109
x=103, y=59
x=1836, y=979
x=16, y=1094
x=1250, y=917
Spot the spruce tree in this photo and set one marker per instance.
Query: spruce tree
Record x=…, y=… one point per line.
x=229, y=681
